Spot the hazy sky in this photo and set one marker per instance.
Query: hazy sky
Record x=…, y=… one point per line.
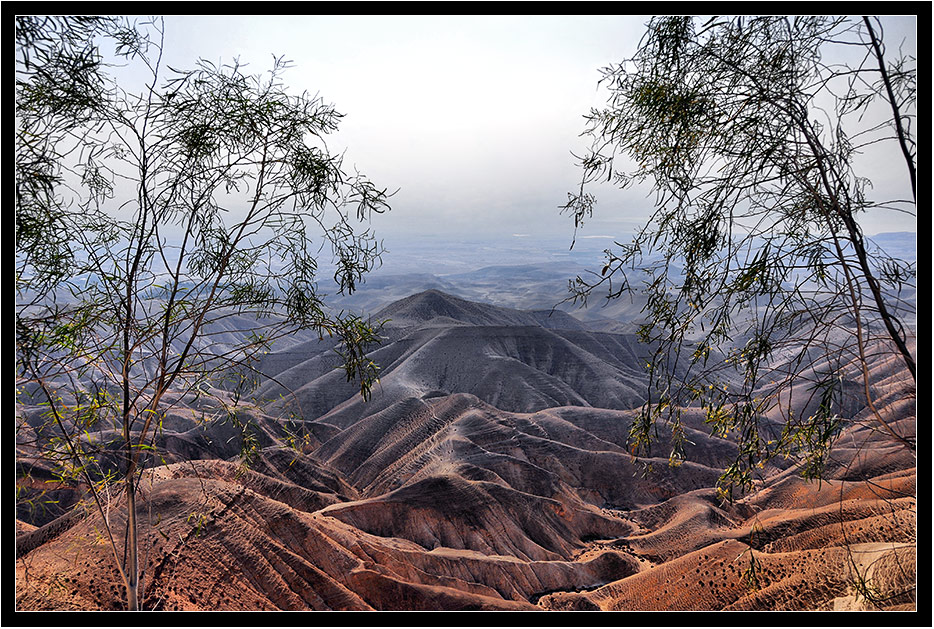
x=473, y=118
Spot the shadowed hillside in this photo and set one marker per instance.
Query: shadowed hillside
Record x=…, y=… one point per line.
x=490, y=470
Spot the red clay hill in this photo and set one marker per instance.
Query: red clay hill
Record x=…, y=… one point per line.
x=489, y=471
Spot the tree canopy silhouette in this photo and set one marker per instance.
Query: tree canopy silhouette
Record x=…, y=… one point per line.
x=147, y=217
x=762, y=292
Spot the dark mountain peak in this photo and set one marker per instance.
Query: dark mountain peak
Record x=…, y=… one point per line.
x=435, y=296
x=434, y=304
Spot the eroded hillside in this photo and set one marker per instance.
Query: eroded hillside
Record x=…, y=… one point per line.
x=490, y=470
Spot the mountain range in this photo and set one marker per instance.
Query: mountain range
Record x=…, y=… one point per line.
x=490, y=470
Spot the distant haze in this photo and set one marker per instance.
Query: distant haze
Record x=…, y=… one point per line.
x=473, y=118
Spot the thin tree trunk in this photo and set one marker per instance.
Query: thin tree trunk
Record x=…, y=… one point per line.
x=896, y=114
x=132, y=548
x=855, y=236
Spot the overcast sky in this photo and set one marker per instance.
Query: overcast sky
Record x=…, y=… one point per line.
x=473, y=118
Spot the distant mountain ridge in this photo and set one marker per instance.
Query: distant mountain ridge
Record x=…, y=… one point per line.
x=433, y=304
x=902, y=245
x=435, y=343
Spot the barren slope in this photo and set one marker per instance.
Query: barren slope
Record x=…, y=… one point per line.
x=490, y=470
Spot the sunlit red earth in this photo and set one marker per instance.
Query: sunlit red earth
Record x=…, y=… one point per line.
x=489, y=471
